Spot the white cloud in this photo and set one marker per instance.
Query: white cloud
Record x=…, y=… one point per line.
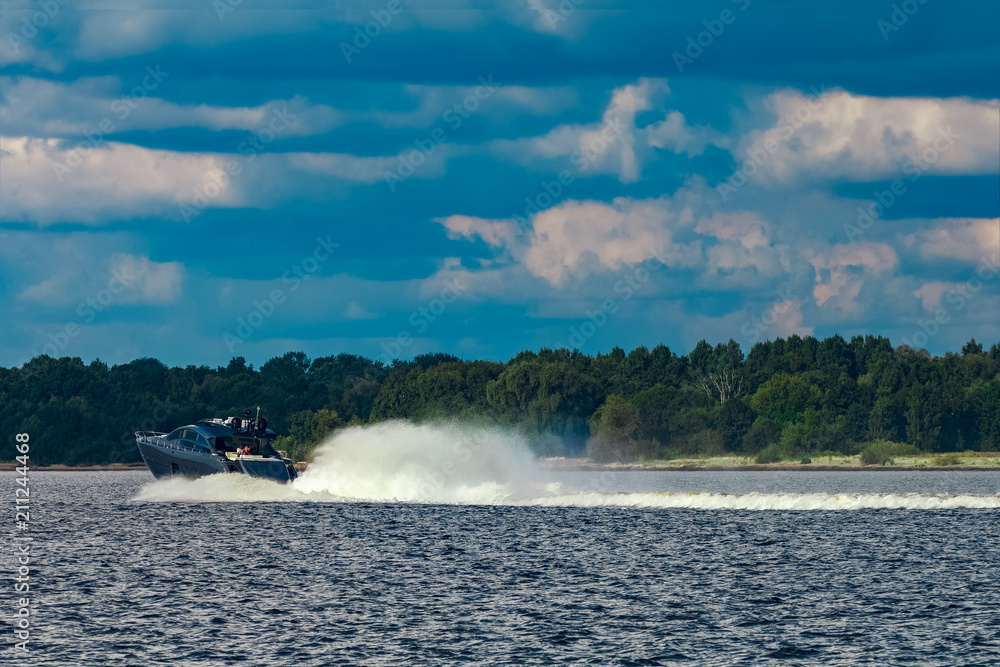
x=930, y=293
x=968, y=239
x=744, y=227
x=674, y=134
x=355, y=311
x=615, y=145
x=147, y=281
x=496, y=233
x=113, y=180
x=581, y=237
x=788, y=320
x=857, y=137
x=44, y=108
x=46, y=182
x=122, y=279
x=841, y=271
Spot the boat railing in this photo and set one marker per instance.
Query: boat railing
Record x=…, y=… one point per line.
x=146, y=437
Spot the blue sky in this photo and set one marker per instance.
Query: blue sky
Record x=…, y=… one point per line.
x=193, y=181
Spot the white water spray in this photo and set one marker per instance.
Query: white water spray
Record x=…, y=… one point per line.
x=437, y=463
x=450, y=463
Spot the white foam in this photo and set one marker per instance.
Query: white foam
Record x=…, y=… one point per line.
x=448, y=463
x=773, y=501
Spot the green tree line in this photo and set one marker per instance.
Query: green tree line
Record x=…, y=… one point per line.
x=784, y=397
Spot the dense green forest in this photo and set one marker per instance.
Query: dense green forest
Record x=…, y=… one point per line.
x=785, y=398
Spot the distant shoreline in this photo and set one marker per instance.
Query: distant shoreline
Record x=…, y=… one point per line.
x=736, y=464
x=561, y=464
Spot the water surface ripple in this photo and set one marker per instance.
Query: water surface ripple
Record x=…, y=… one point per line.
x=121, y=581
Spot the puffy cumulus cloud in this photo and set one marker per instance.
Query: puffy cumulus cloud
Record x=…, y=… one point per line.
x=44, y=183
x=147, y=281
x=967, y=239
x=744, y=254
x=841, y=271
x=778, y=319
x=496, y=233
x=615, y=145
x=746, y=228
x=930, y=293
x=788, y=320
x=624, y=231
x=47, y=182
x=674, y=134
x=845, y=136
x=754, y=322
x=581, y=237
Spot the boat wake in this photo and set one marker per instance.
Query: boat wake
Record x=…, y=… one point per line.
x=455, y=464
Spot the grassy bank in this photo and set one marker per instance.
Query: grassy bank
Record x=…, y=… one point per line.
x=955, y=461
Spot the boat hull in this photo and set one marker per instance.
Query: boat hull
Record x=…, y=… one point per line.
x=164, y=462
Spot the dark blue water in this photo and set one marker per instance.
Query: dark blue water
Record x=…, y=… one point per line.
x=118, y=581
